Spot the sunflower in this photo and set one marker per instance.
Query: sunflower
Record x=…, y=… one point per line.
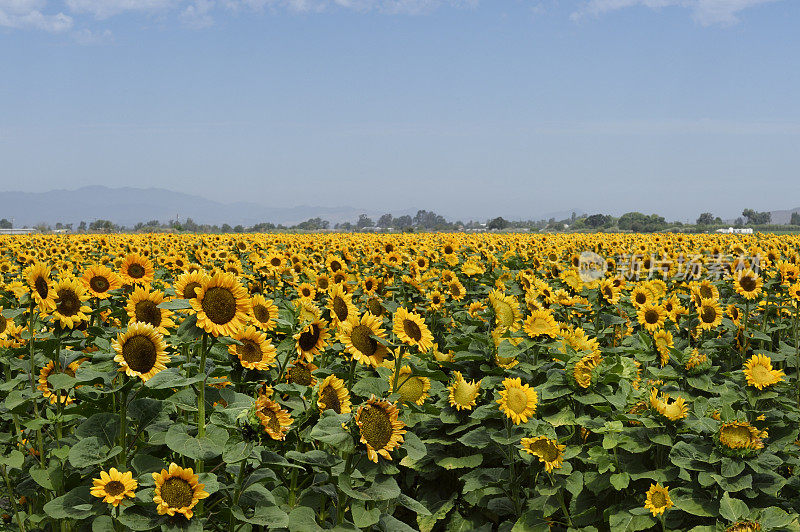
x=99, y=280
x=704, y=290
x=456, y=289
x=114, y=486
x=697, y=362
x=306, y=291
x=69, y=298
x=663, y=341
x=340, y=304
x=550, y=453
x=177, y=491
x=357, y=337
x=274, y=419
x=759, y=373
x=222, y=305
x=582, y=372
x=735, y=314
x=308, y=310
x=312, y=339
x=370, y=285
x=641, y=295
x=673, y=411
x=255, y=351
x=410, y=328
x=264, y=312
x=744, y=526
x=436, y=300
x=475, y=309
x=187, y=283
x=658, y=499
x=609, y=292
x=41, y=286
x=141, y=351
x=651, y=316
x=794, y=292
x=740, y=435
x=518, y=401
x=333, y=395
x=380, y=428
x=142, y=307
x=136, y=269
x=506, y=310
x=47, y=390
x=709, y=313
x=8, y=330
x=411, y=388
x=375, y=307
x=747, y=284
x=301, y=372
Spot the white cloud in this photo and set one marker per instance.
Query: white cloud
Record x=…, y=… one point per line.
x=28, y=14
x=380, y=6
x=103, y=9
x=88, y=37
x=198, y=14
x=706, y=12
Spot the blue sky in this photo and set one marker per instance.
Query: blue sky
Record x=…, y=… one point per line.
x=472, y=108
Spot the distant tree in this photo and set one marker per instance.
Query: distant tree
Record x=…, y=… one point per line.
x=573, y=217
x=5, y=224
x=226, y=228
x=105, y=226
x=313, y=224
x=430, y=220
x=795, y=218
x=82, y=226
x=364, y=221
x=705, y=219
x=190, y=225
x=403, y=221
x=641, y=223
x=497, y=223
x=757, y=218
x=597, y=220
x=739, y=222
x=258, y=228
x=385, y=220
x=238, y=229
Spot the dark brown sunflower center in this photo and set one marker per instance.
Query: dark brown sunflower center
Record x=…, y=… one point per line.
x=322, y=283
x=249, y=351
x=139, y=353
x=376, y=426
x=261, y=313
x=146, y=311
x=40, y=284
x=177, y=493
x=189, y=290
x=368, y=284
x=641, y=298
x=340, y=308
x=219, y=304
x=136, y=271
x=300, y=374
x=330, y=400
x=747, y=283
x=363, y=341
x=658, y=500
x=308, y=340
x=412, y=330
x=706, y=292
x=375, y=307
x=336, y=266
x=651, y=317
x=275, y=262
x=67, y=302
x=708, y=315
x=99, y=284
x=3, y=324
x=306, y=292
x=115, y=487
x=272, y=422
x=455, y=289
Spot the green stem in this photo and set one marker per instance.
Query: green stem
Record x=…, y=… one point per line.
x=123, y=420
x=397, y=365
x=13, y=500
x=560, y=495
x=201, y=397
x=513, y=471
x=744, y=331
x=32, y=333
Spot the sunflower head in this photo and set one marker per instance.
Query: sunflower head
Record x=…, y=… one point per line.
x=254, y=351
x=658, y=500
x=141, y=351
x=177, y=491
x=275, y=420
x=759, y=373
x=549, y=452
x=113, y=486
x=333, y=395
x=410, y=328
x=222, y=305
x=518, y=401
x=411, y=388
x=380, y=428
x=739, y=438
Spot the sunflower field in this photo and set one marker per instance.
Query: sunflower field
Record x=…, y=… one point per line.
x=432, y=382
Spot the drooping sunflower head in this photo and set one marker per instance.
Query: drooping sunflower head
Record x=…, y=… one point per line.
x=549, y=452
x=70, y=296
x=255, y=350
x=582, y=372
x=411, y=388
x=333, y=395
x=744, y=526
x=274, y=419
x=673, y=410
x=222, y=305
x=410, y=328
x=658, y=499
x=380, y=428
x=739, y=436
x=99, y=280
x=141, y=351
x=518, y=401
x=759, y=373
x=177, y=491
x=113, y=486
x=663, y=341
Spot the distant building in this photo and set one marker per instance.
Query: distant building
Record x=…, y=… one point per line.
x=23, y=231
x=737, y=230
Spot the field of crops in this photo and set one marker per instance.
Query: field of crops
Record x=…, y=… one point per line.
x=400, y=382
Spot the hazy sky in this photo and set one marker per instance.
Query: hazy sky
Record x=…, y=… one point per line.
x=472, y=107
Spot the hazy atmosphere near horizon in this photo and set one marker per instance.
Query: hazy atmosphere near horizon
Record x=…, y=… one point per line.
x=470, y=108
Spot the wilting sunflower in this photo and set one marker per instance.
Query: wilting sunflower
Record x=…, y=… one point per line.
x=136, y=269
x=709, y=313
x=340, y=304
x=222, y=305
x=463, y=393
x=411, y=388
x=658, y=499
x=264, y=312
x=177, y=491
x=506, y=310
x=333, y=395
x=410, y=328
x=673, y=411
x=582, y=372
x=141, y=351
x=99, y=280
x=740, y=435
x=759, y=373
x=142, y=307
x=518, y=401
x=748, y=284
x=274, y=419
x=301, y=372
x=113, y=486
x=255, y=351
x=357, y=337
x=41, y=286
x=697, y=362
x=187, y=283
x=47, y=390
x=663, y=341
x=69, y=298
x=312, y=339
x=550, y=453
x=651, y=316
x=381, y=430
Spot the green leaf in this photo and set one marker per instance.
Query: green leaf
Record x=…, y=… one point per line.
x=413, y=504
x=362, y=517
x=91, y=451
x=269, y=516
x=732, y=509
x=478, y=438
x=626, y=522
x=620, y=481
x=14, y=460
x=303, y=519
x=329, y=430
x=104, y=426
x=197, y=448
x=454, y=462
x=371, y=386
x=392, y=524
x=61, y=381
x=236, y=451
x=175, y=304
x=76, y=504
x=103, y=523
